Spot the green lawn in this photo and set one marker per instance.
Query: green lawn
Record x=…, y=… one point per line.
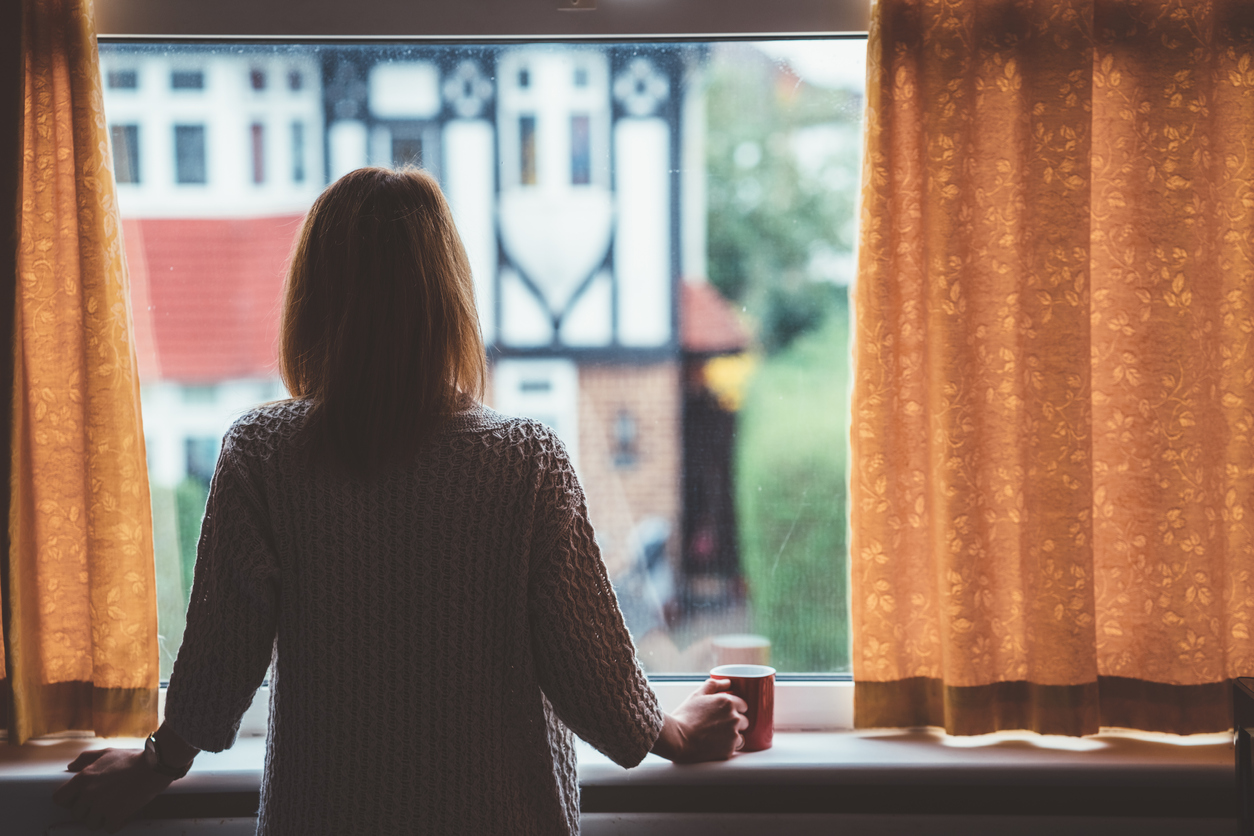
x=792, y=448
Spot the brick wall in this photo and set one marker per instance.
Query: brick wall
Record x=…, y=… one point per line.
x=624, y=490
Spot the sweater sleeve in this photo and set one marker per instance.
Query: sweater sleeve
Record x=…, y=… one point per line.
x=232, y=615
x=583, y=653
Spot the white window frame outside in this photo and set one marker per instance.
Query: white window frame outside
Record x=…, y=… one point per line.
x=803, y=703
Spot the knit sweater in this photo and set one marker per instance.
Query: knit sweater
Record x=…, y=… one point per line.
x=436, y=631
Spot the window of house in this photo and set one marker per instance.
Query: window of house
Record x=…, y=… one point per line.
x=123, y=80
x=527, y=150
x=580, y=149
x=298, y=152
x=407, y=149
x=187, y=80
x=200, y=393
x=202, y=455
x=674, y=305
x=125, y=142
x=257, y=133
x=626, y=435
x=189, y=154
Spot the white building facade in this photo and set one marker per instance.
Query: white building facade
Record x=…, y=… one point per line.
x=565, y=167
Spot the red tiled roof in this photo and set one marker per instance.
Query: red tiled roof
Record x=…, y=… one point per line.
x=206, y=295
x=708, y=322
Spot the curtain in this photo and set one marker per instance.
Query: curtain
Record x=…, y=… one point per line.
x=1053, y=421
x=81, y=632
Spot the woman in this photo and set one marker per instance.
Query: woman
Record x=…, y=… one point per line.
x=419, y=568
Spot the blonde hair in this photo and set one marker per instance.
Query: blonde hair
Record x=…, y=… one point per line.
x=379, y=328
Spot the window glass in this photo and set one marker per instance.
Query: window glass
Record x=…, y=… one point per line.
x=125, y=142
x=298, y=152
x=187, y=80
x=527, y=150
x=258, y=132
x=202, y=454
x=122, y=80
x=189, y=153
x=661, y=237
x=406, y=148
x=580, y=149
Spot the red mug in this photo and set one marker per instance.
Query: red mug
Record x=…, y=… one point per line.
x=755, y=684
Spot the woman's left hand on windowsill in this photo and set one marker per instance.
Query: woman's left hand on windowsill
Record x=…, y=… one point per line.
x=112, y=785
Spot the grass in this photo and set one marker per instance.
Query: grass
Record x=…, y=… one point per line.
x=792, y=449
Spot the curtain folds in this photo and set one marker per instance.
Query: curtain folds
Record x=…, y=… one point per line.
x=1054, y=366
x=81, y=628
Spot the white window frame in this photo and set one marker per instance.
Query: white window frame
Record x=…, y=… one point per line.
x=820, y=705
x=802, y=703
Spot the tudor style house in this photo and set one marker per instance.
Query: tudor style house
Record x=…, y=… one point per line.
x=575, y=174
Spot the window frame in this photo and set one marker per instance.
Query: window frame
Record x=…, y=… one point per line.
x=804, y=702
x=482, y=19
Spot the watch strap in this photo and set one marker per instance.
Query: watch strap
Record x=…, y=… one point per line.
x=152, y=756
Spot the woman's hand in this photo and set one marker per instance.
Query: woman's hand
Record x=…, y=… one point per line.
x=705, y=727
x=111, y=786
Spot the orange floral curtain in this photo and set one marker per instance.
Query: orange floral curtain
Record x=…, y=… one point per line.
x=81, y=631
x=1054, y=389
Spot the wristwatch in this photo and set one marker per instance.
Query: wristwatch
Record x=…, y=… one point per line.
x=152, y=757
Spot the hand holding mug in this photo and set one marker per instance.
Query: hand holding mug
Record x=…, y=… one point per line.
x=755, y=684
x=705, y=727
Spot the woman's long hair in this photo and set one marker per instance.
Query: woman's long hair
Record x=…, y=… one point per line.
x=379, y=328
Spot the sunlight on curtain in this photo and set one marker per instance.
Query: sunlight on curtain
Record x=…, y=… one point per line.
x=1054, y=385
x=83, y=630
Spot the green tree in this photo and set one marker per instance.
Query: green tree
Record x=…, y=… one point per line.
x=778, y=205
x=782, y=162
x=791, y=454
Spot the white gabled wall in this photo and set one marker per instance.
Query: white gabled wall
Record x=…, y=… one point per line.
x=228, y=107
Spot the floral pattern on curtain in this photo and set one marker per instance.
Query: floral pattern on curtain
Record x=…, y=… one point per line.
x=1054, y=366
x=82, y=632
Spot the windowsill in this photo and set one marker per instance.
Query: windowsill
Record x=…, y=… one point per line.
x=875, y=773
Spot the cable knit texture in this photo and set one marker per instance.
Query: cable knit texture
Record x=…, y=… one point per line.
x=435, y=631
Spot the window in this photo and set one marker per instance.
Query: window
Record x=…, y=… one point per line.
x=123, y=80
x=527, y=150
x=630, y=379
x=406, y=149
x=187, y=80
x=580, y=149
x=625, y=433
x=189, y=154
x=258, y=134
x=295, y=80
x=257, y=79
x=298, y=152
x=204, y=393
x=202, y=455
x=125, y=142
